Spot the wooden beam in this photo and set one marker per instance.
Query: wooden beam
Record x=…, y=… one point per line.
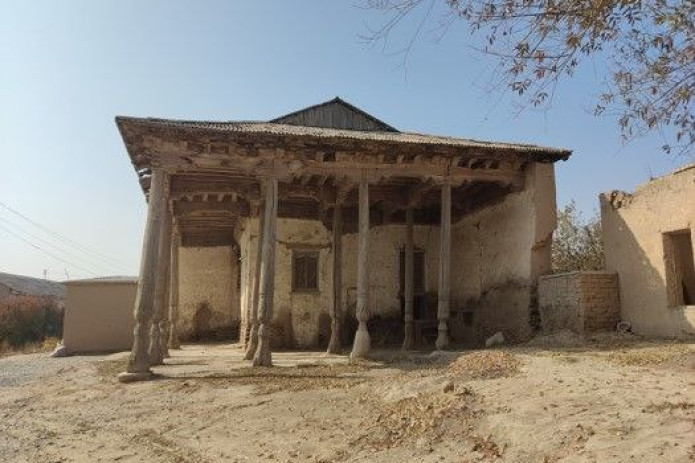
x=236, y=208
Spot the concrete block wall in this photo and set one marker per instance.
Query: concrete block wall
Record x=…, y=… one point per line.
x=579, y=301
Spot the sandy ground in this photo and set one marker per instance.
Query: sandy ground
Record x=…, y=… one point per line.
x=602, y=401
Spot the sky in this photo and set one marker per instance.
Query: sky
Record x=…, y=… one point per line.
x=70, y=203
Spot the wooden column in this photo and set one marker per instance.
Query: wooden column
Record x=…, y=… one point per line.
x=166, y=321
x=174, y=342
x=244, y=295
x=139, y=362
x=253, y=308
x=408, y=296
x=361, y=346
x=158, y=347
x=444, y=268
x=263, y=356
x=334, y=344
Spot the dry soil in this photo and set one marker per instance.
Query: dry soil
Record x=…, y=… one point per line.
x=605, y=399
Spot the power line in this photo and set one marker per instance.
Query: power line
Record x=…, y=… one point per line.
x=45, y=252
x=95, y=266
x=67, y=240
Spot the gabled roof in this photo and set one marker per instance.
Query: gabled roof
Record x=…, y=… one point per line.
x=335, y=114
x=29, y=286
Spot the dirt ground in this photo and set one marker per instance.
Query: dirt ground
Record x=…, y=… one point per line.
x=606, y=399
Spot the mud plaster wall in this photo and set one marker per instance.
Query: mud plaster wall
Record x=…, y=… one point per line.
x=632, y=233
x=296, y=316
x=579, y=301
x=497, y=256
x=208, y=278
x=99, y=316
x=299, y=319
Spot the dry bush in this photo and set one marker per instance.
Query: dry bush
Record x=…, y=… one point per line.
x=29, y=320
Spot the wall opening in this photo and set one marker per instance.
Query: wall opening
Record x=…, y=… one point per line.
x=305, y=270
x=680, y=269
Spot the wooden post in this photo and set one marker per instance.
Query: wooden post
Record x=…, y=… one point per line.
x=158, y=347
x=444, y=268
x=252, y=343
x=263, y=356
x=139, y=362
x=244, y=295
x=166, y=321
x=334, y=344
x=361, y=346
x=174, y=342
x=408, y=296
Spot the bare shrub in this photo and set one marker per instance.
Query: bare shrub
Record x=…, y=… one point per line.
x=29, y=320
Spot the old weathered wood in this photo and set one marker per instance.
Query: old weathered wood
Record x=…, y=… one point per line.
x=158, y=346
x=444, y=269
x=139, y=362
x=166, y=321
x=252, y=344
x=361, y=346
x=335, y=308
x=263, y=356
x=408, y=296
x=174, y=341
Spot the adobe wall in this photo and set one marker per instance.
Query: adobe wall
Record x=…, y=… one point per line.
x=579, y=301
x=632, y=232
x=498, y=254
x=99, y=316
x=208, y=296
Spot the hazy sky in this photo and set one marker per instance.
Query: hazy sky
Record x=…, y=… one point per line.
x=67, y=68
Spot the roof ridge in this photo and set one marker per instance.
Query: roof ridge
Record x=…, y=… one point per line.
x=339, y=100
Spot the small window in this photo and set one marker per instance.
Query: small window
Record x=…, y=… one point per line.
x=305, y=270
x=680, y=271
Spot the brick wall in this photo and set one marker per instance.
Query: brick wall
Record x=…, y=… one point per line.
x=579, y=301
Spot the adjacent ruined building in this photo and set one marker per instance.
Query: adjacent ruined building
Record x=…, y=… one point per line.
x=329, y=227
x=648, y=241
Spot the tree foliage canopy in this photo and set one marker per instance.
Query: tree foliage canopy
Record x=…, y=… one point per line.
x=647, y=45
x=577, y=243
